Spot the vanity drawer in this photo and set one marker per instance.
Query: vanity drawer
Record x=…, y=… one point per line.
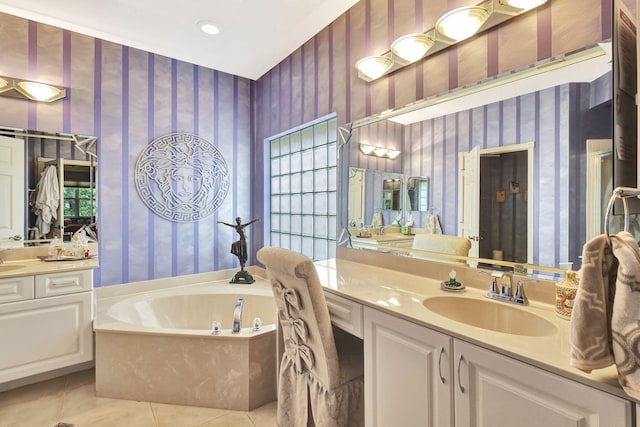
x=63, y=283
x=345, y=314
x=16, y=289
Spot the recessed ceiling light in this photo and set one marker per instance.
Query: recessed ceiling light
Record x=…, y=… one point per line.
x=208, y=28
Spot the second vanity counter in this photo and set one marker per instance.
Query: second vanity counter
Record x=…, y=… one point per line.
x=402, y=294
x=31, y=267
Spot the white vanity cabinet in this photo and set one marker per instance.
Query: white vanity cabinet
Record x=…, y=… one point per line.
x=407, y=371
x=492, y=390
x=46, y=325
x=415, y=376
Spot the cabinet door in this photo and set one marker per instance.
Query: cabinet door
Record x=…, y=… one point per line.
x=45, y=334
x=407, y=371
x=496, y=391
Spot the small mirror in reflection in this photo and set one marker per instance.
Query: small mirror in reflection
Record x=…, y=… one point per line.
x=391, y=191
x=418, y=193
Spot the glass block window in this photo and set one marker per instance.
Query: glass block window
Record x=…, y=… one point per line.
x=303, y=190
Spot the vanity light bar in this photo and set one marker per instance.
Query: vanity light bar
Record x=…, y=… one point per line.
x=372, y=150
x=34, y=91
x=451, y=28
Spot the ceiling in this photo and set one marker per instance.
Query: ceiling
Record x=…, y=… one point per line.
x=255, y=35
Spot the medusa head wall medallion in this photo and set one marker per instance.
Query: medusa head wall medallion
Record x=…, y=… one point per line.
x=182, y=177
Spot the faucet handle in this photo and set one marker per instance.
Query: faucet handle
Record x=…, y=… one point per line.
x=493, y=287
x=520, y=297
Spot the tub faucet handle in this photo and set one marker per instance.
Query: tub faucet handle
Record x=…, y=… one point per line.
x=257, y=324
x=216, y=328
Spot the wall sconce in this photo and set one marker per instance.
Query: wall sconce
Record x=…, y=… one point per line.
x=372, y=150
x=34, y=91
x=452, y=27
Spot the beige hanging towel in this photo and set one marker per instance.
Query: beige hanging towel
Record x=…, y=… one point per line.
x=605, y=324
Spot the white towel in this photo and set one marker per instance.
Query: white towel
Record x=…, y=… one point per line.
x=432, y=225
x=47, y=200
x=605, y=323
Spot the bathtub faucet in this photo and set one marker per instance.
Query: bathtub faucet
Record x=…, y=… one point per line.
x=237, y=316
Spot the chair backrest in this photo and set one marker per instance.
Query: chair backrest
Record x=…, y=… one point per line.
x=441, y=243
x=303, y=314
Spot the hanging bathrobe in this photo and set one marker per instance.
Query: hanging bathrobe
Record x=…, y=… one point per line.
x=47, y=200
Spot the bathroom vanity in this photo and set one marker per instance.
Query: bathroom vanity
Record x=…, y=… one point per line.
x=422, y=367
x=45, y=318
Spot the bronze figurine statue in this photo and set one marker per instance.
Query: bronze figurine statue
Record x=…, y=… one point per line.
x=239, y=249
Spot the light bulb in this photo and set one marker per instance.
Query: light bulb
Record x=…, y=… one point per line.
x=374, y=66
x=462, y=23
x=412, y=47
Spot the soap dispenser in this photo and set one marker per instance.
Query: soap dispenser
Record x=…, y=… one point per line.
x=566, y=292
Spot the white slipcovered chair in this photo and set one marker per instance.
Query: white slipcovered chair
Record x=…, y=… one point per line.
x=441, y=243
x=321, y=372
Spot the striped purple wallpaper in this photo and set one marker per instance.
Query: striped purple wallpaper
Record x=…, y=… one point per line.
x=127, y=97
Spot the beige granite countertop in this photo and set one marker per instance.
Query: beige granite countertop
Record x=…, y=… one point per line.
x=25, y=262
x=385, y=237
x=401, y=294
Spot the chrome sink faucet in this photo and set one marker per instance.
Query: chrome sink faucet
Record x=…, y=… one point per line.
x=237, y=316
x=505, y=292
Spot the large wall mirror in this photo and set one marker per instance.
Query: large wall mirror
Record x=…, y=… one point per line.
x=47, y=185
x=508, y=162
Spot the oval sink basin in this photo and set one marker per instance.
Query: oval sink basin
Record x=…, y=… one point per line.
x=9, y=267
x=490, y=315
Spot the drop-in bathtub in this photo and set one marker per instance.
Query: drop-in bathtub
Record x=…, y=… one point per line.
x=158, y=346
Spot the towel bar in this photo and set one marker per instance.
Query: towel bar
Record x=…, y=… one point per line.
x=619, y=193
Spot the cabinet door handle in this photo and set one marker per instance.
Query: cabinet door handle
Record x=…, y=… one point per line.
x=59, y=284
x=440, y=364
x=460, y=383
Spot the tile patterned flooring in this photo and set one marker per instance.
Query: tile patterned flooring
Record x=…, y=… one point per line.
x=71, y=399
